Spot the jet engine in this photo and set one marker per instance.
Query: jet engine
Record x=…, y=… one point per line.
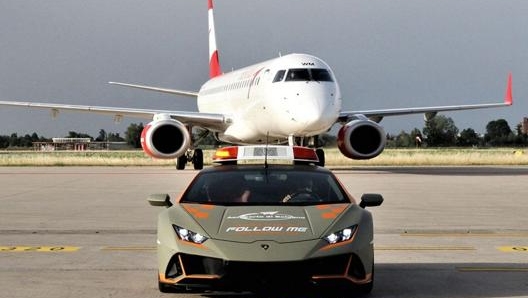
x=165, y=138
x=361, y=139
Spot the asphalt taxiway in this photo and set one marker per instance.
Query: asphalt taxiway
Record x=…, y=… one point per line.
x=89, y=232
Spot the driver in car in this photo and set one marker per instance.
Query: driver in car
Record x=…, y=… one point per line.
x=302, y=190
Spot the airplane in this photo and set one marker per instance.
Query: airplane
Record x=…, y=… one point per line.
x=289, y=99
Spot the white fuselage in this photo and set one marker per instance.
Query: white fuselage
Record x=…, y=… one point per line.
x=291, y=96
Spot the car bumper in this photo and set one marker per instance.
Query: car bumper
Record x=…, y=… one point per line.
x=193, y=271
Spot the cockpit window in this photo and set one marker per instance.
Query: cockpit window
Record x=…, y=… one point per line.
x=309, y=74
x=279, y=76
x=319, y=74
x=298, y=74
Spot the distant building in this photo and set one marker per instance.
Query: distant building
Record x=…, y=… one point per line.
x=77, y=144
x=524, y=128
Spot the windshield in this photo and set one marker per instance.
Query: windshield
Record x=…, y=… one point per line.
x=279, y=76
x=265, y=187
x=308, y=74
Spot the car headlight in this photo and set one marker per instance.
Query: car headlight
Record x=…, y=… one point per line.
x=190, y=236
x=340, y=236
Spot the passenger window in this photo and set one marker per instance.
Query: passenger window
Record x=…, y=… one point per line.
x=279, y=76
x=298, y=74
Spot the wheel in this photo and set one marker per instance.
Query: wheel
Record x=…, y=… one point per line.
x=320, y=154
x=198, y=159
x=181, y=162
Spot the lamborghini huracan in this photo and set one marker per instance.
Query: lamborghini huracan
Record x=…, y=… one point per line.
x=253, y=226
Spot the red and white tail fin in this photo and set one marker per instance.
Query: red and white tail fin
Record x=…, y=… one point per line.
x=214, y=63
x=508, y=98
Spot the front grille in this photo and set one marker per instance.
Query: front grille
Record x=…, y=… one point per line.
x=264, y=273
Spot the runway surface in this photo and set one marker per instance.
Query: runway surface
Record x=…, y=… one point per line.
x=89, y=232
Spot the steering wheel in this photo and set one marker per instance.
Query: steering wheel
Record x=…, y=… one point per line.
x=301, y=196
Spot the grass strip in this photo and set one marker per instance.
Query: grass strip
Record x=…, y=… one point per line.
x=390, y=157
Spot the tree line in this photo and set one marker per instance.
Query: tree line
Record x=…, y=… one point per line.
x=132, y=137
x=439, y=131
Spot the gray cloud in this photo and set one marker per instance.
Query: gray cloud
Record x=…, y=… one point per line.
x=386, y=53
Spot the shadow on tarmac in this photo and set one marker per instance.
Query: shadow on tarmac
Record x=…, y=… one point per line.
x=456, y=280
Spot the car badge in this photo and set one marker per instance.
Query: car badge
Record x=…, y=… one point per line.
x=264, y=246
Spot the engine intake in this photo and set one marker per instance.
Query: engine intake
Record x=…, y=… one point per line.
x=361, y=139
x=165, y=139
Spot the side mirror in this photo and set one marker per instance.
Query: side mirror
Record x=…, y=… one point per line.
x=370, y=200
x=159, y=200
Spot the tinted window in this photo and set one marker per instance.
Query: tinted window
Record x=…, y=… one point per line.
x=269, y=187
x=321, y=75
x=298, y=74
x=279, y=76
x=309, y=74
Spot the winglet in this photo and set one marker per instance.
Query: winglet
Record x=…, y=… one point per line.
x=214, y=63
x=508, y=98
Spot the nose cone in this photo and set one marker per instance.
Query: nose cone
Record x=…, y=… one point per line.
x=313, y=112
x=310, y=115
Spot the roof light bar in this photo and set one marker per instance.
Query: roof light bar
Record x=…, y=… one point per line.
x=305, y=154
x=226, y=154
x=263, y=152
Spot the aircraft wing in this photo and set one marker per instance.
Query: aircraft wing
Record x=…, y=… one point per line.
x=158, y=89
x=429, y=112
x=205, y=120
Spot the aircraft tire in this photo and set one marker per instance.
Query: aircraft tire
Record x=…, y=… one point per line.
x=198, y=159
x=181, y=162
x=321, y=155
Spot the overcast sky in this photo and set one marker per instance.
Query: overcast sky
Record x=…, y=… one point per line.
x=385, y=54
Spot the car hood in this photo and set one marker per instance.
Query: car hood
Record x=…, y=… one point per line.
x=254, y=223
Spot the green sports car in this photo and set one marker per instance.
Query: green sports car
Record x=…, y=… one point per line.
x=257, y=226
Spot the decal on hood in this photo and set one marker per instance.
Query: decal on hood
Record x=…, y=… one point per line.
x=266, y=215
x=251, y=223
x=269, y=229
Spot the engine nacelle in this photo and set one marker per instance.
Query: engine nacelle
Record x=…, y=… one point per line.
x=165, y=139
x=361, y=139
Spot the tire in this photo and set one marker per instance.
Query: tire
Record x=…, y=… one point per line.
x=321, y=155
x=198, y=159
x=181, y=162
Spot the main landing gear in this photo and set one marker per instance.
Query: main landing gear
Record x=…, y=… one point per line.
x=195, y=156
